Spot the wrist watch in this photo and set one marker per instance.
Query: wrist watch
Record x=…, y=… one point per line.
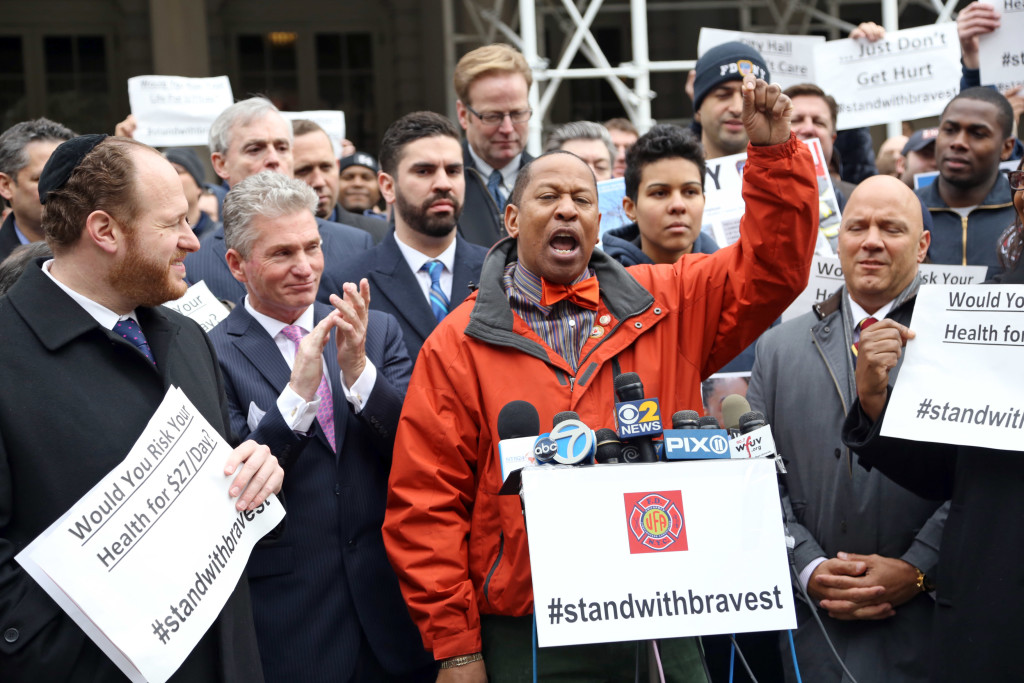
x=461, y=660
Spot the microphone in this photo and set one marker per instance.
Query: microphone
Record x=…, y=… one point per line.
x=609, y=448
x=733, y=406
x=708, y=422
x=574, y=441
x=518, y=419
x=755, y=439
x=638, y=419
x=518, y=426
x=685, y=419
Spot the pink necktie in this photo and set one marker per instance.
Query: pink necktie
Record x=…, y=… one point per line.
x=325, y=413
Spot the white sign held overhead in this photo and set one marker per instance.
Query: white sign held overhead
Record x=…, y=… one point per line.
x=146, y=560
x=790, y=59
x=332, y=121
x=956, y=385
x=174, y=111
x=909, y=74
x=660, y=550
x=1001, y=53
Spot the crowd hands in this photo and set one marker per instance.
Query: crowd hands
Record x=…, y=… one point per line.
x=448, y=202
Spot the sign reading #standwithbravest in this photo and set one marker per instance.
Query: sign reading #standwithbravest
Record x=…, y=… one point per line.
x=659, y=550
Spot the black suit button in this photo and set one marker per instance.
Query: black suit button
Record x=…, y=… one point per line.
x=842, y=526
x=11, y=635
x=838, y=453
x=337, y=490
x=351, y=542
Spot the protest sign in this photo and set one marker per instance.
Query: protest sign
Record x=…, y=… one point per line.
x=827, y=276
x=174, y=111
x=332, y=121
x=790, y=59
x=609, y=202
x=673, y=544
x=200, y=304
x=146, y=560
x=959, y=382
x=1001, y=53
x=909, y=74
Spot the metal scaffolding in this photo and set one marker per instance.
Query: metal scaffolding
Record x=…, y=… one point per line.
x=522, y=23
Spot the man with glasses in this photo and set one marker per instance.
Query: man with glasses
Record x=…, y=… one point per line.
x=492, y=84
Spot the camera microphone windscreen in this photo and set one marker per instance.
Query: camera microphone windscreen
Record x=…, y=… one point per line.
x=685, y=419
x=609, y=448
x=563, y=416
x=518, y=419
x=750, y=421
x=628, y=387
x=733, y=407
x=708, y=422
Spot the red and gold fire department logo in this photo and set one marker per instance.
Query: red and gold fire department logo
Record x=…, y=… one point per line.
x=655, y=522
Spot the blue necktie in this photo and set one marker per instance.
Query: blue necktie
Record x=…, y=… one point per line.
x=130, y=330
x=494, y=187
x=438, y=300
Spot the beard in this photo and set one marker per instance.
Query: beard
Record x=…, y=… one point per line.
x=418, y=218
x=143, y=280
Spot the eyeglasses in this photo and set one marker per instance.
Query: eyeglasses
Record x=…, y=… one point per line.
x=1017, y=180
x=494, y=118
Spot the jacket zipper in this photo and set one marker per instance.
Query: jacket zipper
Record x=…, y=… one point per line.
x=494, y=567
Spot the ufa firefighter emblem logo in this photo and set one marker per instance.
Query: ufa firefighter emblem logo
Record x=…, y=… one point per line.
x=655, y=522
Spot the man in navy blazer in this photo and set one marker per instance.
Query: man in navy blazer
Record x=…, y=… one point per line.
x=322, y=386
x=422, y=178
x=250, y=137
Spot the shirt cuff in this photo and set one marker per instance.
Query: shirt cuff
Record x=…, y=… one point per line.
x=805, y=575
x=361, y=389
x=297, y=413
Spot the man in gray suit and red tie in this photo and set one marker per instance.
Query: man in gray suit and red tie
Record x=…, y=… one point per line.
x=321, y=385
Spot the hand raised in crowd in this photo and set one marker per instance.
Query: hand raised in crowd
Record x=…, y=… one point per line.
x=126, y=128
x=258, y=474
x=474, y=672
x=975, y=20
x=869, y=31
x=855, y=586
x=766, y=112
x=878, y=352
x=352, y=315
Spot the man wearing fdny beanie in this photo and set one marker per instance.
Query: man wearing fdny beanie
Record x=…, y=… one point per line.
x=717, y=103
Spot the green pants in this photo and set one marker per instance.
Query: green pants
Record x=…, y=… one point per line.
x=508, y=654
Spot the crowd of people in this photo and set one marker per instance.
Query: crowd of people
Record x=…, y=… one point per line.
x=383, y=311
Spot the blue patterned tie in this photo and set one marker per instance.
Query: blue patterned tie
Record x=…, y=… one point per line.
x=494, y=187
x=130, y=330
x=438, y=301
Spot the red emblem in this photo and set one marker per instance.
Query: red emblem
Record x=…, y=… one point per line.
x=655, y=522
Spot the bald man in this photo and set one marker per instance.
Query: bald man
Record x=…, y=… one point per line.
x=865, y=547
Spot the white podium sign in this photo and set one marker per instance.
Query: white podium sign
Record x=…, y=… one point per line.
x=660, y=550
x=959, y=383
x=146, y=560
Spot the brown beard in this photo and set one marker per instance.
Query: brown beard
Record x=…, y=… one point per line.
x=419, y=220
x=144, y=281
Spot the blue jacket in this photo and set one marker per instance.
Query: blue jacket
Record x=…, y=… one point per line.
x=623, y=245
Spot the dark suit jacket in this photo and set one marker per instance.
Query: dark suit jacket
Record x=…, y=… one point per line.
x=73, y=400
x=394, y=289
x=377, y=228
x=326, y=578
x=481, y=222
x=8, y=238
x=209, y=264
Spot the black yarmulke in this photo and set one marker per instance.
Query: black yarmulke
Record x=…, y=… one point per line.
x=63, y=161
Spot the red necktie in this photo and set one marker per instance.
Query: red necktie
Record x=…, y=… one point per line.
x=861, y=326
x=584, y=294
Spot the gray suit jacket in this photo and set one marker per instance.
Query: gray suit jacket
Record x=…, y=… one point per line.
x=801, y=381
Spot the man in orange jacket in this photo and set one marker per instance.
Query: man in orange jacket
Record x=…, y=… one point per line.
x=552, y=323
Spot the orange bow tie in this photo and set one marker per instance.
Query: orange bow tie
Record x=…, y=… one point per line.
x=584, y=294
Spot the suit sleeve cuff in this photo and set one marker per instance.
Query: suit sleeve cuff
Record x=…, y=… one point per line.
x=805, y=573
x=360, y=391
x=297, y=413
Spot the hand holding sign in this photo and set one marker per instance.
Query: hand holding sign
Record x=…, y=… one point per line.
x=977, y=19
x=878, y=352
x=766, y=112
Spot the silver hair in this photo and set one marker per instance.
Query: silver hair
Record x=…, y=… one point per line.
x=239, y=114
x=580, y=130
x=266, y=194
x=13, y=142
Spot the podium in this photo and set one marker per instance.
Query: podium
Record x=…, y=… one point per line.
x=659, y=550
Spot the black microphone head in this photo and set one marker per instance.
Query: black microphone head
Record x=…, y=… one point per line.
x=563, y=416
x=685, y=419
x=609, y=448
x=733, y=406
x=516, y=419
x=751, y=421
x=708, y=422
x=628, y=387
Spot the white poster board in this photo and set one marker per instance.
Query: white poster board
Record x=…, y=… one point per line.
x=174, y=111
x=332, y=121
x=1001, y=53
x=959, y=383
x=659, y=550
x=790, y=59
x=827, y=277
x=146, y=560
x=200, y=305
x=909, y=74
